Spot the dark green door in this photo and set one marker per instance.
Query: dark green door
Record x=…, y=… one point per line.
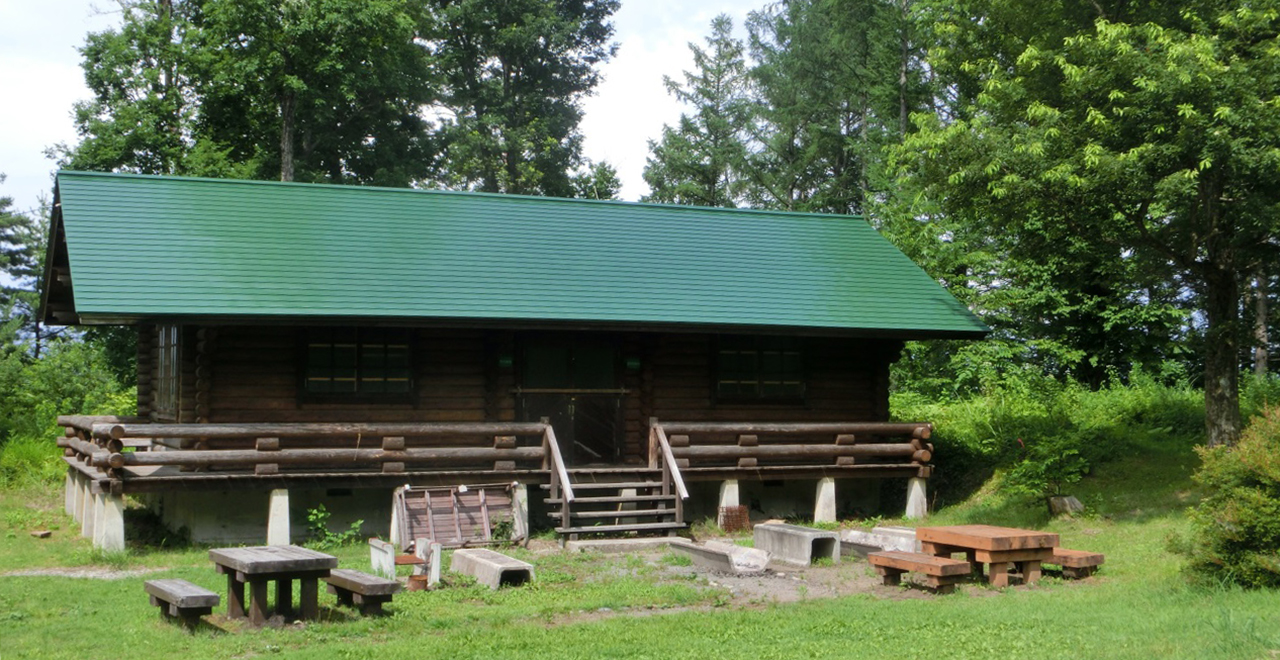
x=576, y=386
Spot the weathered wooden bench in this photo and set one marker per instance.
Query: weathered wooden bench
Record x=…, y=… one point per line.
x=940, y=573
x=181, y=600
x=368, y=592
x=1076, y=564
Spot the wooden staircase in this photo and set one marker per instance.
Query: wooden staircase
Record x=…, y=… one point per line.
x=616, y=501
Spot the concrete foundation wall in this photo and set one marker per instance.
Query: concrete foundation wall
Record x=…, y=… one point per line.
x=235, y=517
x=791, y=498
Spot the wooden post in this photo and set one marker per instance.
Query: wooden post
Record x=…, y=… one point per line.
x=843, y=439
x=748, y=441
x=504, y=442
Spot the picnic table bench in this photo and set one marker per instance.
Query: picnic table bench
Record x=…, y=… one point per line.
x=181, y=600
x=940, y=573
x=1000, y=547
x=1076, y=563
x=261, y=565
x=368, y=592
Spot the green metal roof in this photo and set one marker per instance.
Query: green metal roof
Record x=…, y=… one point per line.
x=148, y=247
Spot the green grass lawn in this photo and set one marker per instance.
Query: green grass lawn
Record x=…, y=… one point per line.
x=584, y=606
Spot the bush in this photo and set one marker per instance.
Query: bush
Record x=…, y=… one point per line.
x=1046, y=434
x=71, y=377
x=1236, y=527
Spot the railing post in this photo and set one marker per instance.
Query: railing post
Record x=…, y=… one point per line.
x=654, y=452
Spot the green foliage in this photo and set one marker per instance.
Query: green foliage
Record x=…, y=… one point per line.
x=1236, y=527
x=71, y=377
x=1044, y=434
x=700, y=160
x=511, y=77
x=321, y=537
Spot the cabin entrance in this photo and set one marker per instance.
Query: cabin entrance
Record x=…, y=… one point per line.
x=577, y=386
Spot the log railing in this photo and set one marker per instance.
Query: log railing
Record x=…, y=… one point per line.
x=739, y=444
x=561, y=487
x=660, y=449
x=267, y=448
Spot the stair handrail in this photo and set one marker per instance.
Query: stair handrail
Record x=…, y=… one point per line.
x=557, y=462
x=669, y=459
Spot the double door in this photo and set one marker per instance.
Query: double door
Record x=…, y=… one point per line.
x=576, y=385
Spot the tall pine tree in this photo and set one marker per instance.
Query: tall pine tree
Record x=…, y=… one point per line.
x=700, y=160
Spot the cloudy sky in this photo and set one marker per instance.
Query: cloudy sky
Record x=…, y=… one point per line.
x=40, y=79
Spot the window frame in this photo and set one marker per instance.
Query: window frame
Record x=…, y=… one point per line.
x=167, y=389
x=310, y=335
x=759, y=344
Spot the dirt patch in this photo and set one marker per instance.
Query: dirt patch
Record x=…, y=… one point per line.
x=87, y=572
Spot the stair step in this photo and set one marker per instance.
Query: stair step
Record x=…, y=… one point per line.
x=635, y=513
x=610, y=484
x=608, y=529
x=613, y=500
x=614, y=470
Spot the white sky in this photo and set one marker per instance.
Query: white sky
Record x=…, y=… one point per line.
x=40, y=79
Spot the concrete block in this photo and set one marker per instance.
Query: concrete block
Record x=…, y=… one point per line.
x=824, y=502
x=917, y=499
x=797, y=545
x=430, y=553
x=491, y=568
x=745, y=560
x=278, y=527
x=382, y=558
x=862, y=542
x=108, y=529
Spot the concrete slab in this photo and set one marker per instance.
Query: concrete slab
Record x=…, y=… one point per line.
x=617, y=546
x=491, y=568
x=797, y=545
x=862, y=542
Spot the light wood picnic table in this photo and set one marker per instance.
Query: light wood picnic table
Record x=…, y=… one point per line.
x=998, y=546
x=281, y=564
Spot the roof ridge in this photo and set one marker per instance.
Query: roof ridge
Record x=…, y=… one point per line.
x=467, y=193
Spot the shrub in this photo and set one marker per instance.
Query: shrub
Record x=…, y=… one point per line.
x=323, y=538
x=1236, y=527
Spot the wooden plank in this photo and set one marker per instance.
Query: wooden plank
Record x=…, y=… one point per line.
x=987, y=537
x=919, y=563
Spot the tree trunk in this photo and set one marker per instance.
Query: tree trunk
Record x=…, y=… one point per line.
x=903, y=67
x=1222, y=350
x=1261, y=340
x=286, y=136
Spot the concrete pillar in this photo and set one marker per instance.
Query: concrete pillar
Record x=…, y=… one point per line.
x=729, y=493
x=278, y=532
x=917, y=502
x=77, y=496
x=824, y=507
x=92, y=512
x=108, y=530
x=395, y=520
x=433, y=575
x=70, y=492
x=520, y=510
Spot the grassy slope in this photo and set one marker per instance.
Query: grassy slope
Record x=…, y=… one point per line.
x=1139, y=607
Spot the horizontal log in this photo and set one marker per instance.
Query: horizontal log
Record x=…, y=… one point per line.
x=304, y=429
x=857, y=428
x=355, y=457
x=713, y=452
x=85, y=422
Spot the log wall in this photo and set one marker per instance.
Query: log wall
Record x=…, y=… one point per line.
x=251, y=374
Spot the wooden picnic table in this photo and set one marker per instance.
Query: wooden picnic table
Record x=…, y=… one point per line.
x=258, y=566
x=997, y=546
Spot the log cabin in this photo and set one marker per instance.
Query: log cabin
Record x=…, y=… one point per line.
x=303, y=344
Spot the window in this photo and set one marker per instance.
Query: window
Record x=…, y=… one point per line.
x=760, y=369
x=165, y=398
x=358, y=361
